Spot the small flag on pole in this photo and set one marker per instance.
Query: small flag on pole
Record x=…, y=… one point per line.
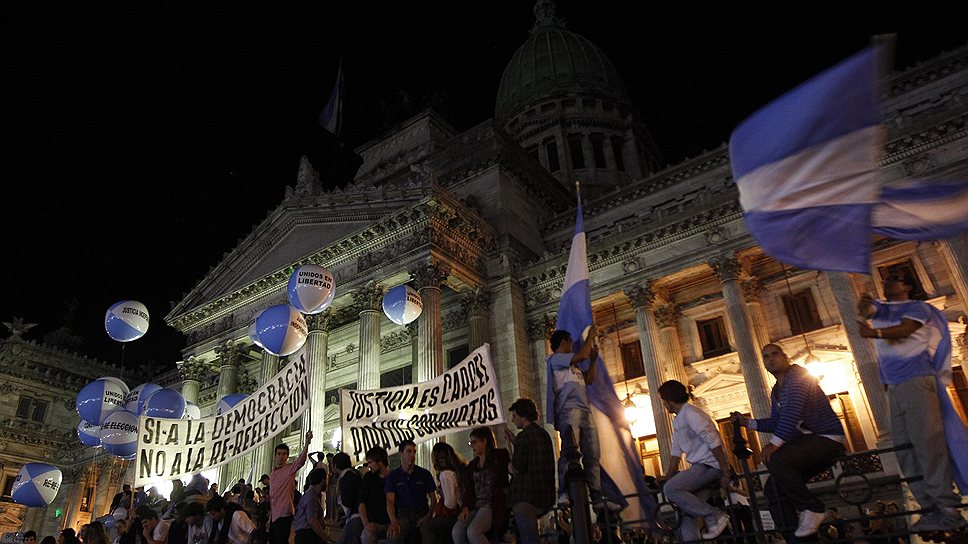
x=331, y=118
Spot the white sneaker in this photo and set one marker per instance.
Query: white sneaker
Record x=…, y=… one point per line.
x=716, y=526
x=809, y=523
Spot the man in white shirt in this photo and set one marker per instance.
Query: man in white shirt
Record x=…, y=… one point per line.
x=230, y=522
x=694, y=433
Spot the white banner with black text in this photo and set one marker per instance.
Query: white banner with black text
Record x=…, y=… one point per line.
x=462, y=398
x=178, y=448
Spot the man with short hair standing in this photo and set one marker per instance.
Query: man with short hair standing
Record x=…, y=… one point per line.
x=407, y=489
x=374, y=519
x=914, y=366
x=571, y=410
x=694, y=434
x=282, y=491
x=807, y=439
x=532, y=490
x=308, y=522
x=348, y=484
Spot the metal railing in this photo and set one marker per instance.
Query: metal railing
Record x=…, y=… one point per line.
x=854, y=485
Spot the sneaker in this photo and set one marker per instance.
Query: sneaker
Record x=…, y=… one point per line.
x=809, y=523
x=715, y=526
x=937, y=520
x=564, y=500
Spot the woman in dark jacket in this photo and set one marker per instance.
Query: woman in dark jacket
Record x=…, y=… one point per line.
x=485, y=486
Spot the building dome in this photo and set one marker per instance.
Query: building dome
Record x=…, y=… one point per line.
x=555, y=62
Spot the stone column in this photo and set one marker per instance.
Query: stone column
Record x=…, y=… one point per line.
x=193, y=370
x=955, y=255
x=865, y=355
x=229, y=358
x=369, y=298
x=477, y=304
x=666, y=318
x=752, y=288
x=264, y=458
x=642, y=297
x=727, y=269
x=428, y=277
x=317, y=353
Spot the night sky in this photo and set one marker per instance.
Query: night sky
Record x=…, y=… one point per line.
x=142, y=140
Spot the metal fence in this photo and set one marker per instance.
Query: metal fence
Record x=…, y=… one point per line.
x=855, y=478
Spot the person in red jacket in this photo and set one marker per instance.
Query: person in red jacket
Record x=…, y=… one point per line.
x=484, y=504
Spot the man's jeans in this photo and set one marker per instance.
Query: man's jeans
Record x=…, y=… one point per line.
x=578, y=422
x=526, y=519
x=681, y=489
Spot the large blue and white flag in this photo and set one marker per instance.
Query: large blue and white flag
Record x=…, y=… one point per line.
x=622, y=473
x=807, y=169
x=331, y=118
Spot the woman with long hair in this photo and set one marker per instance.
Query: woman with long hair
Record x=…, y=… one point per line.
x=448, y=466
x=96, y=534
x=485, y=484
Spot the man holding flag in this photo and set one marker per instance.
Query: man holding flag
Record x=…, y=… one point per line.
x=808, y=170
x=581, y=399
x=914, y=347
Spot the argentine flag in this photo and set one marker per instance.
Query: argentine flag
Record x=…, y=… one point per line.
x=331, y=118
x=622, y=472
x=807, y=166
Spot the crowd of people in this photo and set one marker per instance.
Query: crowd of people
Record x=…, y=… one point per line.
x=461, y=502
x=500, y=494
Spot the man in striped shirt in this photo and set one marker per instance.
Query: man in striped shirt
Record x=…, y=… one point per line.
x=807, y=439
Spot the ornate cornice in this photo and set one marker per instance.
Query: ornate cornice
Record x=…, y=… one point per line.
x=544, y=283
x=928, y=72
x=230, y=354
x=438, y=222
x=369, y=298
x=432, y=274
x=194, y=368
x=453, y=320
x=322, y=321
x=726, y=267
x=688, y=169
x=247, y=384
x=476, y=302
x=666, y=315
x=640, y=295
x=395, y=340
x=752, y=288
x=536, y=329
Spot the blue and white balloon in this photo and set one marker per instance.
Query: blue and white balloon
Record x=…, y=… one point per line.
x=165, y=403
x=126, y=321
x=99, y=399
x=192, y=411
x=135, y=401
x=311, y=288
x=281, y=329
x=36, y=484
x=89, y=434
x=226, y=403
x=402, y=304
x=119, y=434
x=120, y=382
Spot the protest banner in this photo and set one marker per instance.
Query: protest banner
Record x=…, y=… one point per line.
x=178, y=448
x=462, y=398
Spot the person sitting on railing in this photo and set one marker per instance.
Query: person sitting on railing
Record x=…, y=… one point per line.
x=914, y=350
x=694, y=434
x=807, y=439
